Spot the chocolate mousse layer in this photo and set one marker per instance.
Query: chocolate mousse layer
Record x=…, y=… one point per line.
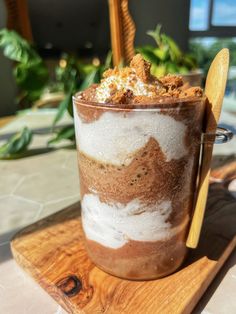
x=140, y=260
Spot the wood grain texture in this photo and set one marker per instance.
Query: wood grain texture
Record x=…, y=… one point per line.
x=214, y=91
x=18, y=18
x=224, y=174
x=122, y=32
x=52, y=252
x=128, y=32
x=116, y=31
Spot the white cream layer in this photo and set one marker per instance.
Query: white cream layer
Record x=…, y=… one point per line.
x=114, y=224
x=116, y=136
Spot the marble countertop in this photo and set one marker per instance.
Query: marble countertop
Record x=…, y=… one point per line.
x=37, y=186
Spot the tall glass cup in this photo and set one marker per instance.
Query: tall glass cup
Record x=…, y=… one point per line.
x=138, y=168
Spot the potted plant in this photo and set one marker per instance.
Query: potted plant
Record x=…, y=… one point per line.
x=36, y=88
x=166, y=57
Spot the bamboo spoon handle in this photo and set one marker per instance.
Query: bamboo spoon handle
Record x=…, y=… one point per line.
x=116, y=31
x=214, y=90
x=122, y=31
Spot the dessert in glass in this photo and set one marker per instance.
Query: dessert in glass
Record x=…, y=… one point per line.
x=138, y=141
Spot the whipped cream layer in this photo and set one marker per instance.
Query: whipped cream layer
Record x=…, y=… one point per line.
x=116, y=136
x=121, y=83
x=114, y=224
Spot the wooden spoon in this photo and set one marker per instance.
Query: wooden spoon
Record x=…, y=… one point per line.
x=214, y=90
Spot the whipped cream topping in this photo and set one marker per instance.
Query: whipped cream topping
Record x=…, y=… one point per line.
x=114, y=224
x=116, y=136
x=123, y=83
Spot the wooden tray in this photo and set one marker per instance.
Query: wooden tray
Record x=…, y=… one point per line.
x=52, y=252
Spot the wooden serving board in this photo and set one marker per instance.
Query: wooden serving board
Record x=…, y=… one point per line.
x=52, y=252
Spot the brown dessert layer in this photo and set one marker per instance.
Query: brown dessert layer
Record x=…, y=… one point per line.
x=149, y=178
x=140, y=260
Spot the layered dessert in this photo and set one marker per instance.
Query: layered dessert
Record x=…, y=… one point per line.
x=138, y=141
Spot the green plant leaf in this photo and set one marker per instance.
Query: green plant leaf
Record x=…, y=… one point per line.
x=66, y=133
x=159, y=70
x=108, y=61
x=183, y=70
x=69, y=74
x=16, y=145
x=148, y=55
x=92, y=78
x=168, y=52
x=174, y=50
x=30, y=72
x=17, y=48
x=156, y=34
x=70, y=106
x=85, y=69
x=31, y=76
x=189, y=61
x=145, y=48
x=161, y=54
x=171, y=67
x=62, y=108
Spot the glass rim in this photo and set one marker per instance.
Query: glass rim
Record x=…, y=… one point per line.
x=166, y=103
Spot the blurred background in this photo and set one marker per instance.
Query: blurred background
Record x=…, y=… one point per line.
x=63, y=31
x=49, y=50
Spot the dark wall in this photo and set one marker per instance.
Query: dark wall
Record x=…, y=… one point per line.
x=172, y=14
x=71, y=24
